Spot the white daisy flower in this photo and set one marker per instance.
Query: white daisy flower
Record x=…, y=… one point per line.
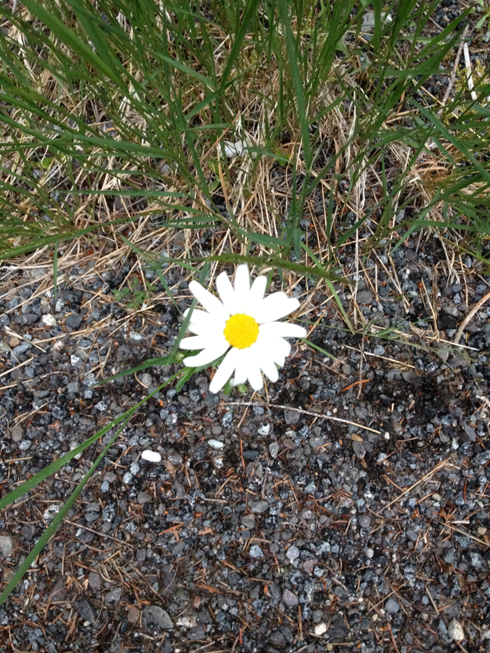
x=243, y=324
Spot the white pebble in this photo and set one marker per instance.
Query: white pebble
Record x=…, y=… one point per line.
x=52, y=511
x=151, y=456
x=216, y=444
x=455, y=631
x=320, y=629
x=49, y=320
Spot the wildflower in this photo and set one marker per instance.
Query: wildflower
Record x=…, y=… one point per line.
x=244, y=326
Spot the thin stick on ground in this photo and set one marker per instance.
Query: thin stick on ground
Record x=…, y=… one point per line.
x=303, y=412
x=470, y=315
x=437, y=468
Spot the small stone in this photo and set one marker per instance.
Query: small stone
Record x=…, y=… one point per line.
x=146, y=380
x=273, y=449
x=291, y=417
x=309, y=565
x=476, y=560
x=264, y=429
x=51, y=512
x=91, y=516
x=455, y=631
x=94, y=580
x=197, y=633
x=151, y=456
x=289, y=599
x=143, y=497
x=449, y=556
x=392, y=606
x=73, y=321
x=259, y=506
x=49, y=320
x=216, y=444
x=85, y=611
x=113, y=597
x=156, y=620
x=187, y=621
x=134, y=468
x=256, y=551
x=22, y=348
x=364, y=297
x=292, y=553
x=369, y=553
x=17, y=433
x=6, y=545
x=133, y=614
x=365, y=521
x=248, y=521
x=278, y=639
x=320, y=629
x=481, y=459
x=8, y=574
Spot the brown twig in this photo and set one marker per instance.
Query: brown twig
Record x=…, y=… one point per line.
x=470, y=315
x=304, y=412
x=437, y=468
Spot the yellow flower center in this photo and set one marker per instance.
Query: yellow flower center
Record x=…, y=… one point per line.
x=241, y=331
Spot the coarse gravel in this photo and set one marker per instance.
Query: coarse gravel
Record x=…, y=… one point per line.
x=345, y=509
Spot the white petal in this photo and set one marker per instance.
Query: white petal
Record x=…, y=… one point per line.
x=225, y=370
x=279, y=349
x=255, y=375
x=283, y=329
x=194, y=342
x=241, y=371
x=226, y=292
x=242, y=287
x=269, y=368
x=274, y=307
x=199, y=320
x=205, y=324
x=208, y=355
x=257, y=290
x=209, y=301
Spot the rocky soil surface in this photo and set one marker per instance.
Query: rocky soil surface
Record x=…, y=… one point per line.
x=345, y=509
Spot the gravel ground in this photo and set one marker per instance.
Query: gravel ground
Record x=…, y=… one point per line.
x=345, y=509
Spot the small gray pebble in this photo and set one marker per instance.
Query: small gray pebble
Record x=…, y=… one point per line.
x=292, y=553
x=259, y=506
x=113, y=596
x=273, y=449
x=289, y=599
x=392, y=606
x=73, y=321
x=291, y=417
x=155, y=619
x=256, y=552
